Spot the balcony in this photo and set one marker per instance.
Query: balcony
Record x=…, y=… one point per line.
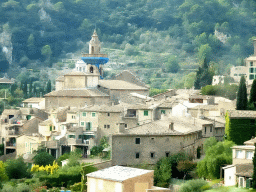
x=10, y=144
x=51, y=144
x=13, y=132
x=72, y=141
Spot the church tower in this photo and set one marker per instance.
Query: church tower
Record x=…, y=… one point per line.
x=94, y=45
x=95, y=59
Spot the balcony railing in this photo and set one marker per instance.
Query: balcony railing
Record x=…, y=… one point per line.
x=94, y=55
x=51, y=144
x=10, y=144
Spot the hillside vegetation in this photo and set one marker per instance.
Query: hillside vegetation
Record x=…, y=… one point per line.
x=142, y=34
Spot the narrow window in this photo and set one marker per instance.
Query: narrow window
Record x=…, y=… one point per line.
x=211, y=129
x=105, y=126
x=145, y=112
x=91, y=69
x=108, y=126
x=82, y=123
x=108, y=114
x=137, y=155
x=251, y=77
x=137, y=140
x=251, y=70
x=205, y=130
x=84, y=114
x=93, y=114
x=152, y=155
x=251, y=63
x=162, y=111
x=167, y=154
x=125, y=125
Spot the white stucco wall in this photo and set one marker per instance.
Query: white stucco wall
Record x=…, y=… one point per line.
x=229, y=176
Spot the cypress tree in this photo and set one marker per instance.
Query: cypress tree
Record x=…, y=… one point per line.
x=48, y=87
x=254, y=169
x=253, y=94
x=241, y=103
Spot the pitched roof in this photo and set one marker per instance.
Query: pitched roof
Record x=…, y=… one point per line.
x=129, y=77
x=75, y=73
x=168, y=103
x=60, y=78
x=120, y=84
x=161, y=127
x=46, y=122
x=77, y=93
x=7, y=81
x=31, y=126
x=250, y=142
x=11, y=111
x=104, y=108
x=242, y=114
x=118, y=173
x=34, y=100
x=245, y=170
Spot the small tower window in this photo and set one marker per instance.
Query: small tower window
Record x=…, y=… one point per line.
x=91, y=69
x=92, y=50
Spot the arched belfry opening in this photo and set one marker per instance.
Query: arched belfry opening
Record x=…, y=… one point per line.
x=91, y=69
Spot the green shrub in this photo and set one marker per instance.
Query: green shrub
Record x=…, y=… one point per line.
x=194, y=186
x=16, y=168
x=62, y=158
x=43, y=158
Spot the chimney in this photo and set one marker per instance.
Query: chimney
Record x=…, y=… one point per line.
x=254, y=45
x=171, y=127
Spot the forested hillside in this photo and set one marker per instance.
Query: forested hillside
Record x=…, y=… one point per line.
x=167, y=31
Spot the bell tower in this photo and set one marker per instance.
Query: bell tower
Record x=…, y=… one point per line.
x=95, y=59
x=94, y=45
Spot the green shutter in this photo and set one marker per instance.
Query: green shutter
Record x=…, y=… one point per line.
x=50, y=128
x=145, y=112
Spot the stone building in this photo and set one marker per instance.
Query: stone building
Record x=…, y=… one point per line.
x=149, y=142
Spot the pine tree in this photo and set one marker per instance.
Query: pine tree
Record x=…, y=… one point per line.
x=254, y=169
x=203, y=75
x=241, y=103
x=253, y=94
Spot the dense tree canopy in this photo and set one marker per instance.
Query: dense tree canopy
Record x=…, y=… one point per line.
x=217, y=155
x=241, y=103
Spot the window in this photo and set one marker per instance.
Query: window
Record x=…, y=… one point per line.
x=211, y=129
x=205, y=130
x=51, y=128
x=162, y=111
x=251, y=63
x=84, y=114
x=251, y=70
x=73, y=117
x=105, y=126
x=91, y=69
x=108, y=114
x=137, y=140
x=108, y=126
x=137, y=155
x=249, y=154
x=93, y=114
x=88, y=126
x=152, y=138
x=152, y=155
x=125, y=125
x=239, y=154
x=72, y=136
x=145, y=112
x=167, y=154
x=80, y=136
x=251, y=77
x=82, y=123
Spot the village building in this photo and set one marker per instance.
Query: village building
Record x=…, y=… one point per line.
x=241, y=170
x=122, y=179
x=149, y=142
x=34, y=102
